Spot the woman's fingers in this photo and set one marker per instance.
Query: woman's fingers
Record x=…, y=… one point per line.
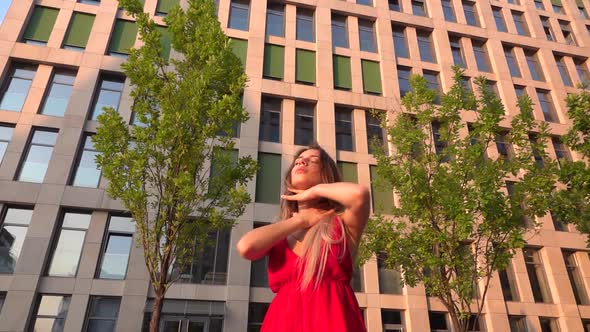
x=293, y=190
x=290, y=197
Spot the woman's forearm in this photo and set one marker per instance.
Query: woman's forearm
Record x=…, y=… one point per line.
x=257, y=242
x=350, y=195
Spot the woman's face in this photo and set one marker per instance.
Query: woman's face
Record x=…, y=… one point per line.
x=306, y=171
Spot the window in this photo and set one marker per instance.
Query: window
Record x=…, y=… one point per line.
x=78, y=31
x=517, y=323
x=439, y=144
x=433, y=84
x=508, y=283
x=392, y=320
x=349, y=172
x=565, y=76
x=210, y=265
x=561, y=151
x=37, y=157
x=539, y=4
x=268, y=178
x=514, y=2
x=499, y=19
x=165, y=41
x=87, y=173
x=342, y=75
x=116, y=249
x=546, y=103
x=511, y=60
x=586, y=325
x=239, y=14
x=2, y=300
x=344, y=138
x=270, y=120
x=183, y=315
x=374, y=131
x=256, y=313
x=366, y=36
x=549, y=324
x=448, y=11
x=438, y=321
x=400, y=42
x=259, y=270
x=425, y=45
x=557, y=7
x=240, y=48
x=51, y=312
x=568, y=35
x=582, y=9
x=519, y=90
x=520, y=23
x=274, y=61
x=108, y=94
x=304, y=66
x=395, y=5
x=339, y=31
x=60, y=89
x=558, y=224
x=381, y=193
x=40, y=25
x=222, y=161
x=102, y=314
x=67, y=252
x=164, y=6
x=582, y=69
x=304, y=123
x=16, y=88
x=457, y=51
x=419, y=7
x=389, y=279
x=534, y=67
x=371, y=77
x=13, y=229
x=547, y=28
x=575, y=277
x=403, y=77
x=471, y=15
x=473, y=324
x=275, y=19
x=504, y=147
x=305, y=25
x=536, y=275
x=5, y=137
x=537, y=155
x=123, y=38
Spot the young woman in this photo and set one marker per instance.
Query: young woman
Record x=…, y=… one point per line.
x=312, y=248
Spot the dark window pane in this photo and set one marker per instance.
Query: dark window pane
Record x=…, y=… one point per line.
x=339, y=31
x=275, y=17
x=425, y=45
x=366, y=36
x=239, y=14
x=12, y=235
x=270, y=120
x=344, y=129
x=305, y=25
x=400, y=42
x=304, y=123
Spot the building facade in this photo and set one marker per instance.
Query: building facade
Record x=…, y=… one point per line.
x=67, y=256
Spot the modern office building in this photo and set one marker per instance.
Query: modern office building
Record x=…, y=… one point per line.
x=67, y=256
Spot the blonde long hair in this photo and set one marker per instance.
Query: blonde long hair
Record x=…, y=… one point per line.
x=318, y=241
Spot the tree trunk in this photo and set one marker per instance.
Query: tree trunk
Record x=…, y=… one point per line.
x=158, y=302
x=456, y=323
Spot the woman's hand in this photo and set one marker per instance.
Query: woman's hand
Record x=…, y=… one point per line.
x=301, y=195
x=311, y=216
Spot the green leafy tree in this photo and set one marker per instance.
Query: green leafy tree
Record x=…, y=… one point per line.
x=572, y=197
x=454, y=224
x=160, y=168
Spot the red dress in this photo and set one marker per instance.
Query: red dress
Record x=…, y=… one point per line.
x=332, y=307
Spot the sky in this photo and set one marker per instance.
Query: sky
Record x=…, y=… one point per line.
x=3, y=8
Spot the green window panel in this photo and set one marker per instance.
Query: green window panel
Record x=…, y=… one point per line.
x=165, y=41
x=79, y=30
x=217, y=165
x=556, y=2
x=123, y=36
x=382, y=197
x=274, y=61
x=41, y=23
x=348, y=171
x=580, y=3
x=164, y=6
x=305, y=66
x=240, y=48
x=342, y=76
x=268, y=179
x=371, y=76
